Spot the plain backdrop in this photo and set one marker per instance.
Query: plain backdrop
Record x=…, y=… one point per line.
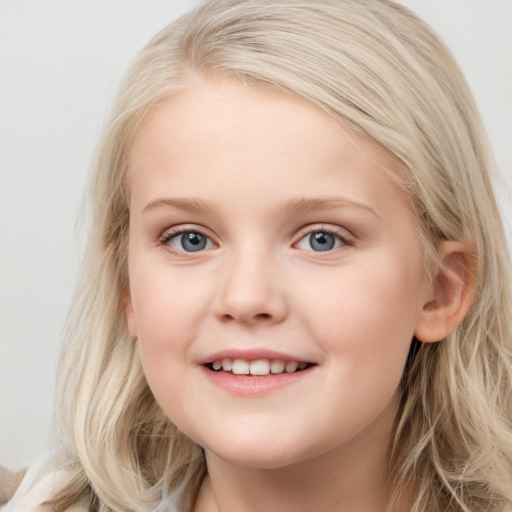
x=61, y=62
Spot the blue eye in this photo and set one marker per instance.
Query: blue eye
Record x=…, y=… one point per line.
x=320, y=241
x=189, y=241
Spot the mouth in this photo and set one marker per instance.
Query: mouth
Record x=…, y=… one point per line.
x=257, y=367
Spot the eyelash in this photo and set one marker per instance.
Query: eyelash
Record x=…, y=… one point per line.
x=345, y=238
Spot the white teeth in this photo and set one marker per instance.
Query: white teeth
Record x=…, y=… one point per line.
x=227, y=365
x=291, y=366
x=240, y=367
x=260, y=367
x=277, y=366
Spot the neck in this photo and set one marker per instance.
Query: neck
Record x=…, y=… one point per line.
x=350, y=478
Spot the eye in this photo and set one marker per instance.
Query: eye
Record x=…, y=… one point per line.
x=320, y=241
x=188, y=241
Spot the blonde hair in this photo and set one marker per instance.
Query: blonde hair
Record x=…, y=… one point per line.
x=380, y=71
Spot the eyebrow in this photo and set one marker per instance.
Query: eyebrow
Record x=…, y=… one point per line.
x=292, y=207
x=186, y=204
x=306, y=204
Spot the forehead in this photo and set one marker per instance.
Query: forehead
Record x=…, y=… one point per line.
x=210, y=107
x=253, y=136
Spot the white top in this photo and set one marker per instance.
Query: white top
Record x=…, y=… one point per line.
x=42, y=482
x=39, y=485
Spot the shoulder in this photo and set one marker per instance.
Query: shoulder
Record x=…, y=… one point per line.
x=37, y=487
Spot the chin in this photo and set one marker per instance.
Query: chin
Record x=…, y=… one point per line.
x=257, y=460
x=259, y=441
x=257, y=453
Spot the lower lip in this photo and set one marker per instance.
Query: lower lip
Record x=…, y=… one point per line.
x=254, y=385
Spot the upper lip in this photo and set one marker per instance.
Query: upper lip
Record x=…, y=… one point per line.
x=251, y=355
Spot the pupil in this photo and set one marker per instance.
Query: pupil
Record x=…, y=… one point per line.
x=321, y=241
x=192, y=242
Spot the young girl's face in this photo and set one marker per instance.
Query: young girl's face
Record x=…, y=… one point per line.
x=263, y=236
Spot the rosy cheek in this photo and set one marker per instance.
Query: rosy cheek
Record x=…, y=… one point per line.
x=167, y=318
x=364, y=311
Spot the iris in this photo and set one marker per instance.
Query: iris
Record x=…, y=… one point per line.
x=322, y=241
x=193, y=241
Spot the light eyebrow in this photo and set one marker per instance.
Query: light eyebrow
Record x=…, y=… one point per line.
x=306, y=204
x=185, y=204
x=292, y=207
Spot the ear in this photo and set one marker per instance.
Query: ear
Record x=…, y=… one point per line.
x=129, y=313
x=451, y=294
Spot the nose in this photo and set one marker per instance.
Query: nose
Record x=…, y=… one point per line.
x=250, y=291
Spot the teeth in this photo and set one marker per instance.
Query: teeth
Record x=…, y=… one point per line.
x=258, y=366
x=227, y=364
x=291, y=366
x=240, y=367
x=277, y=366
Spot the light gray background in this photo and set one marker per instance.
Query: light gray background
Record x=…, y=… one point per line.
x=60, y=65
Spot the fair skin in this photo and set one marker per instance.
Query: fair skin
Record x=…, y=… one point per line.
x=260, y=230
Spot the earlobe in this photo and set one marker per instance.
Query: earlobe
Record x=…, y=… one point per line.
x=452, y=292
x=129, y=314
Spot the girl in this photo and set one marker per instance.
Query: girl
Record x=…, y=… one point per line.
x=296, y=294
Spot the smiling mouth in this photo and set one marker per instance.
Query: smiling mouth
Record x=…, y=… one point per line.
x=257, y=367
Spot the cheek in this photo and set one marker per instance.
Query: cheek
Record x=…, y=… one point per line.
x=365, y=317
x=165, y=330
x=166, y=304
x=167, y=313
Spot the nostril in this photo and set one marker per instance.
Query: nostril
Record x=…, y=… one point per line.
x=264, y=317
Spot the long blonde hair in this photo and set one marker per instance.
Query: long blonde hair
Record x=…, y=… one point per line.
x=380, y=71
